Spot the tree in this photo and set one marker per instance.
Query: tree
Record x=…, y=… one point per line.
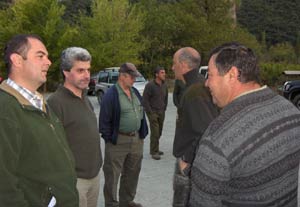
x=199, y=24
x=42, y=18
x=74, y=8
x=5, y=3
x=279, y=20
x=111, y=33
x=161, y=32
x=297, y=47
x=283, y=53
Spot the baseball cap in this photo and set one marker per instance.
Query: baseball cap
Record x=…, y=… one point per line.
x=130, y=69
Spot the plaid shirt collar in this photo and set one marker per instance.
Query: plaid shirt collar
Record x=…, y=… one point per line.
x=36, y=99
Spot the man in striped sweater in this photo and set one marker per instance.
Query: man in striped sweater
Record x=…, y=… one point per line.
x=249, y=155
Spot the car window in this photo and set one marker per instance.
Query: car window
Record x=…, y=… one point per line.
x=113, y=77
x=203, y=71
x=140, y=78
x=103, y=77
x=94, y=76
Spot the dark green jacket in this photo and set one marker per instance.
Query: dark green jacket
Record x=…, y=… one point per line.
x=35, y=160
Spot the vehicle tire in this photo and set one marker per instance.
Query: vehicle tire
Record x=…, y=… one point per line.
x=99, y=96
x=90, y=93
x=296, y=101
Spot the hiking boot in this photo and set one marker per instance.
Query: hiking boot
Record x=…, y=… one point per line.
x=156, y=157
x=134, y=204
x=160, y=152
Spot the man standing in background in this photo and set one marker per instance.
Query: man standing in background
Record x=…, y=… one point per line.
x=155, y=101
x=195, y=112
x=36, y=164
x=72, y=106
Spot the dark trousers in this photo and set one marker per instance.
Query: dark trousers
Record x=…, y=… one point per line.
x=181, y=186
x=125, y=159
x=156, y=121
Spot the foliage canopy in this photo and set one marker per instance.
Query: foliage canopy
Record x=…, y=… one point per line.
x=148, y=32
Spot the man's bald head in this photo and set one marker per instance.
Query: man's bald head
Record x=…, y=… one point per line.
x=190, y=56
x=185, y=60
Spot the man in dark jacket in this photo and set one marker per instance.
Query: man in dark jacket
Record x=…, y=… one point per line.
x=123, y=126
x=155, y=101
x=179, y=87
x=195, y=112
x=72, y=106
x=36, y=164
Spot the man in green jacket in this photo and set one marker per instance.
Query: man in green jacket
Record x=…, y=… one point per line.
x=36, y=165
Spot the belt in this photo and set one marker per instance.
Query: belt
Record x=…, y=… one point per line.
x=130, y=134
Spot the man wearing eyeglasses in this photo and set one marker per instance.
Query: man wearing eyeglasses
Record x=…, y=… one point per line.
x=123, y=126
x=249, y=155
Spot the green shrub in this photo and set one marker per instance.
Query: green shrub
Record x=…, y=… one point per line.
x=272, y=73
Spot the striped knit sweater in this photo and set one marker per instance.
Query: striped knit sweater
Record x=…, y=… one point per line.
x=249, y=155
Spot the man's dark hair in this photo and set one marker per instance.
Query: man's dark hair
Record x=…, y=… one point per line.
x=235, y=54
x=157, y=69
x=17, y=44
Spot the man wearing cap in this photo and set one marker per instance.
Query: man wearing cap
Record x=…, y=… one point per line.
x=123, y=126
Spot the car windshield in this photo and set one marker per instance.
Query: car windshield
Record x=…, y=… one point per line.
x=94, y=76
x=114, y=77
x=140, y=79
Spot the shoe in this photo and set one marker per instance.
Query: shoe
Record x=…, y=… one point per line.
x=134, y=204
x=160, y=152
x=156, y=157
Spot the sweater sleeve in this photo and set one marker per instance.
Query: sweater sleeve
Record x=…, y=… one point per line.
x=210, y=177
x=10, y=149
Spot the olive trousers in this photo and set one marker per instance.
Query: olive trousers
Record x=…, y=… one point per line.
x=156, y=121
x=123, y=159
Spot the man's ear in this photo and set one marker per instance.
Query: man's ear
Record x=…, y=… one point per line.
x=65, y=73
x=234, y=73
x=184, y=67
x=16, y=59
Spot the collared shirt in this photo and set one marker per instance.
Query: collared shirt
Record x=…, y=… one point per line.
x=251, y=91
x=36, y=99
x=131, y=111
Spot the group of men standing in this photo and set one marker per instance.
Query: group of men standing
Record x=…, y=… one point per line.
x=50, y=152
x=236, y=142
